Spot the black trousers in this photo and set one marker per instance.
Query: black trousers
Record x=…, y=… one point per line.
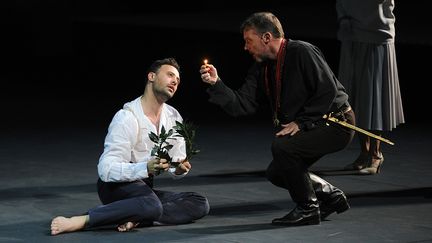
x=138, y=202
x=293, y=155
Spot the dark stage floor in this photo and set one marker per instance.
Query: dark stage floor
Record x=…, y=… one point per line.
x=53, y=172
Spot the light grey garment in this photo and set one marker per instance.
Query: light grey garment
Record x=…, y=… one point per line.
x=367, y=65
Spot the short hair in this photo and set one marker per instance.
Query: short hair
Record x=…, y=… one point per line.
x=156, y=65
x=263, y=22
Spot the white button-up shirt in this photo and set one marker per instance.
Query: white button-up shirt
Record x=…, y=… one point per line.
x=127, y=147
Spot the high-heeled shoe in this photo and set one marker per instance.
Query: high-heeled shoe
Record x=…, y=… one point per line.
x=374, y=167
x=360, y=163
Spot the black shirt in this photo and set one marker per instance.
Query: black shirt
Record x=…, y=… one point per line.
x=309, y=89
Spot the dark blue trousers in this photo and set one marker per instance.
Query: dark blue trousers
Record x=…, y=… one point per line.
x=138, y=202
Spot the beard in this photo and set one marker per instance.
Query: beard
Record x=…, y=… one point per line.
x=162, y=93
x=259, y=58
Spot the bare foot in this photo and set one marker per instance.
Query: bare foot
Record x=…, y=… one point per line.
x=61, y=224
x=127, y=226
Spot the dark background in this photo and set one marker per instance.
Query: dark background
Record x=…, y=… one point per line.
x=74, y=63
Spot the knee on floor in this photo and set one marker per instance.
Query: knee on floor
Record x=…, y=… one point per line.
x=200, y=203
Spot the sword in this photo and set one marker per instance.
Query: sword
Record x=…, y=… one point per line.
x=345, y=124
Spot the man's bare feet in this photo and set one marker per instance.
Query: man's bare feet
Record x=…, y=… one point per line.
x=127, y=226
x=62, y=224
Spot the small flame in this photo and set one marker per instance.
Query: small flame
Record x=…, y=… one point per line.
x=205, y=61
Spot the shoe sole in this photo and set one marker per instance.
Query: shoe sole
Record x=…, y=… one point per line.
x=341, y=207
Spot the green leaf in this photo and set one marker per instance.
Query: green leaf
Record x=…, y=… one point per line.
x=153, y=137
x=154, y=151
x=168, y=147
x=170, y=132
x=187, y=131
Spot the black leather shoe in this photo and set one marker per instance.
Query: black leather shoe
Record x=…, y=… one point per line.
x=338, y=204
x=299, y=216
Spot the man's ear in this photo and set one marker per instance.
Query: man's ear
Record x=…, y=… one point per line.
x=266, y=37
x=151, y=76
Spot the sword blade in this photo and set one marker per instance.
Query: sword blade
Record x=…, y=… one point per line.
x=358, y=129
